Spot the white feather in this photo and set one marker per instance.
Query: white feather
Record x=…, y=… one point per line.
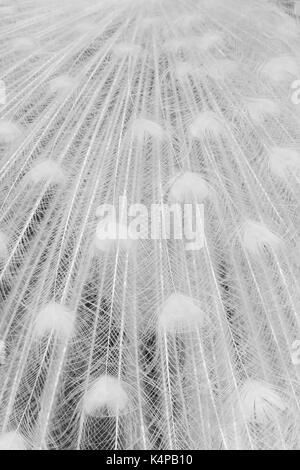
x=188, y=187
x=62, y=85
x=127, y=49
x=110, y=233
x=207, y=123
x=24, y=44
x=12, y=441
x=180, y=313
x=256, y=237
x=210, y=40
x=284, y=160
x=280, y=68
x=107, y=391
x=143, y=128
x=221, y=69
x=260, y=402
x=54, y=318
x=9, y=131
x=116, y=340
x=46, y=170
x=3, y=246
x=2, y=353
x=260, y=109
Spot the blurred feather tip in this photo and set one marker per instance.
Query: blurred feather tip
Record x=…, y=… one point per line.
x=143, y=128
x=173, y=45
x=260, y=108
x=283, y=160
x=256, y=237
x=221, y=69
x=46, y=171
x=107, y=391
x=2, y=352
x=184, y=70
x=9, y=131
x=12, y=441
x=188, y=187
x=110, y=234
x=127, y=49
x=25, y=43
x=8, y=10
x=210, y=39
x=54, y=319
x=62, y=85
x=279, y=69
x=180, y=313
x=84, y=27
x=186, y=21
x=208, y=123
x=260, y=402
x=151, y=21
x=3, y=245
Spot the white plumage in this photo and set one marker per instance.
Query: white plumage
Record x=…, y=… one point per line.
x=115, y=341
x=54, y=319
x=106, y=392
